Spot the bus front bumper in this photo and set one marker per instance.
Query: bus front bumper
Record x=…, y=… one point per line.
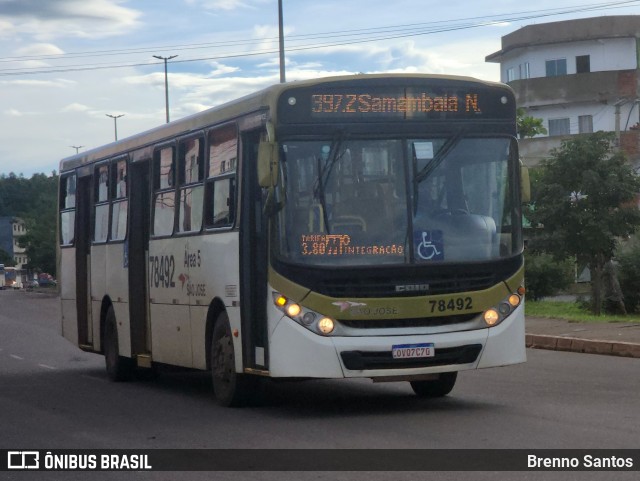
x=297, y=352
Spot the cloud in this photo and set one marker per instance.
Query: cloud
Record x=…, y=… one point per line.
x=13, y=113
x=75, y=107
x=227, y=5
x=38, y=84
x=67, y=18
x=37, y=49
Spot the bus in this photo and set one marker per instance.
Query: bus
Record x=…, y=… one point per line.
x=14, y=278
x=364, y=226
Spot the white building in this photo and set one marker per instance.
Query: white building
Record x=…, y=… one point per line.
x=19, y=253
x=579, y=76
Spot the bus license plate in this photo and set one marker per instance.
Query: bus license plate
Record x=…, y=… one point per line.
x=412, y=351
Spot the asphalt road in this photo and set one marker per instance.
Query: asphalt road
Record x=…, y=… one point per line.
x=53, y=396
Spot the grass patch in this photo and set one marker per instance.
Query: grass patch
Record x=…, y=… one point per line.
x=572, y=311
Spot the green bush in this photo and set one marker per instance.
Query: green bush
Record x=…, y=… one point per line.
x=628, y=260
x=545, y=276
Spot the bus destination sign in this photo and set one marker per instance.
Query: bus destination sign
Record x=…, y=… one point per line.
x=363, y=103
x=346, y=103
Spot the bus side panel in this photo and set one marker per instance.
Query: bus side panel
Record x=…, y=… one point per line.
x=214, y=273
x=169, y=279
x=67, y=283
x=116, y=288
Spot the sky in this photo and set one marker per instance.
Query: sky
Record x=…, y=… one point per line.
x=66, y=65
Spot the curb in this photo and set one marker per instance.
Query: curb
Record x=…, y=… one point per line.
x=588, y=346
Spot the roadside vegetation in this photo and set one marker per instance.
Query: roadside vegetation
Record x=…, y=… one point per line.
x=584, y=204
x=35, y=201
x=573, y=311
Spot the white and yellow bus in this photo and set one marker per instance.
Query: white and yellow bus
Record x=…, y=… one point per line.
x=348, y=227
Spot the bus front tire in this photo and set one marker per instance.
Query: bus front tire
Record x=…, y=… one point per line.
x=231, y=389
x=119, y=368
x=435, y=388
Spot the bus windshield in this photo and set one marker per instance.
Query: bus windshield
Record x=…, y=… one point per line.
x=362, y=202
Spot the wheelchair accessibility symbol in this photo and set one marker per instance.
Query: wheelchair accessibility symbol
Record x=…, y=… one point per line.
x=429, y=245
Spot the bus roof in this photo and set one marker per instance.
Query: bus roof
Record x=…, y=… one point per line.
x=263, y=99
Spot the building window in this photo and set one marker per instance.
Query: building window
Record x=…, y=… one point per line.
x=511, y=74
x=559, y=127
x=585, y=124
x=526, y=73
x=583, y=64
x=557, y=67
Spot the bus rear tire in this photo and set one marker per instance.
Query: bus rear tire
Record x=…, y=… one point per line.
x=435, y=388
x=231, y=389
x=119, y=368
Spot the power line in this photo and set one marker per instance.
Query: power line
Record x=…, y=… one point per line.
x=373, y=34
x=337, y=33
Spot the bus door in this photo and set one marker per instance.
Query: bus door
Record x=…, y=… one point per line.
x=83, y=261
x=253, y=258
x=138, y=253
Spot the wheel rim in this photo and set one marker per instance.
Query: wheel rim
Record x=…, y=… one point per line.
x=223, y=365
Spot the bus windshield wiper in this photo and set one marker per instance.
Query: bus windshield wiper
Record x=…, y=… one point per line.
x=324, y=172
x=438, y=158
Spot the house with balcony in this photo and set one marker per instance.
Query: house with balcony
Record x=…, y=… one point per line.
x=579, y=76
x=11, y=229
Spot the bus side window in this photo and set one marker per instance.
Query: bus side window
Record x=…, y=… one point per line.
x=191, y=169
x=101, y=215
x=67, y=209
x=164, y=195
x=120, y=203
x=220, y=195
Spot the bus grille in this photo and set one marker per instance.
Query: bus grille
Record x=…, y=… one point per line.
x=388, y=287
x=401, y=323
x=365, y=360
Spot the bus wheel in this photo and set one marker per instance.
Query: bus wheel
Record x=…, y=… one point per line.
x=230, y=388
x=119, y=368
x=436, y=388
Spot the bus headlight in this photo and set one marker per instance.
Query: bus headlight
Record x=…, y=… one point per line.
x=326, y=325
x=498, y=313
x=305, y=317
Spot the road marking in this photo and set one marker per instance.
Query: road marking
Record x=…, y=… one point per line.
x=17, y=357
x=47, y=367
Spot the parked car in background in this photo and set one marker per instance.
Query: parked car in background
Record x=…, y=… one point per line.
x=45, y=279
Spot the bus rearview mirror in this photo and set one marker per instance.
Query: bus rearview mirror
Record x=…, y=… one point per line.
x=267, y=164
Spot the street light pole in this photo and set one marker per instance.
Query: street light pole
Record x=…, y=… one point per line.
x=166, y=82
x=115, y=123
x=281, y=38
x=77, y=147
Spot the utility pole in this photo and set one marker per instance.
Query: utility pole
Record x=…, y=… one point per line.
x=115, y=123
x=77, y=147
x=166, y=82
x=281, y=37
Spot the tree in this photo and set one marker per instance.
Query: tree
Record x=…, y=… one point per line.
x=6, y=259
x=585, y=201
x=33, y=200
x=528, y=126
x=40, y=218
